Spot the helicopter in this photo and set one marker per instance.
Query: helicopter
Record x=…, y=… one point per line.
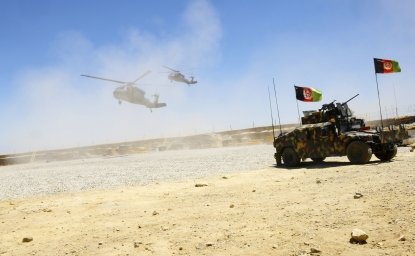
x=130, y=93
x=175, y=75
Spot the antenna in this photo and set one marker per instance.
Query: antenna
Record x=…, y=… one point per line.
x=278, y=111
x=272, y=118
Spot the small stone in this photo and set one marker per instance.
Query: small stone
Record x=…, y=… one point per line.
x=318, y=181
x=180, y=248
x=27, y=239
x=137, y=244
x=100, y=243
x=198, y=185
x=253, y=190
x=231, y=206
x=314, y=250
x=155, y=213
x=357, y=195
x=402, y=238
x=358, y=236
x=209, y=244
x=225, y=178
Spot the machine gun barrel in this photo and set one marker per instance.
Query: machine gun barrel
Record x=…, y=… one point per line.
x=350, y=99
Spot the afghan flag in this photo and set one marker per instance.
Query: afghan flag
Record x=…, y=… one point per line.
x=307, y=94
x=386, y=66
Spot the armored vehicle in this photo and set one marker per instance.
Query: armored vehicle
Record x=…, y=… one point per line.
x=334, y=131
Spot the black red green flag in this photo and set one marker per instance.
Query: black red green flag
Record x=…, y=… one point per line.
x=307, y=94
x=386, y=66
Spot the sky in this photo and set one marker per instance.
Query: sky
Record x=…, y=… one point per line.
x=233, y=48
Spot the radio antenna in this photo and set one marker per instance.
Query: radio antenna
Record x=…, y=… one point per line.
x=272, y=117
x=278, y=111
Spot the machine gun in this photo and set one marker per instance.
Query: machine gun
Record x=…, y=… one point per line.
x=340, y=113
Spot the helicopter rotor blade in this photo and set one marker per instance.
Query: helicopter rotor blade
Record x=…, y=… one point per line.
x=105, y=79
x=171, y=69
x=140, y=77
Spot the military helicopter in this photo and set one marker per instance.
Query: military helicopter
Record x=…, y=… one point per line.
x=130, y=93
x=175, y=75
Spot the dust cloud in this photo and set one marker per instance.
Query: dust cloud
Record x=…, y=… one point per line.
x=57, y=108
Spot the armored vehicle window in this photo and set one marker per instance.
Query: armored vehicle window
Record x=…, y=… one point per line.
x=325, y=131
x=302, y=135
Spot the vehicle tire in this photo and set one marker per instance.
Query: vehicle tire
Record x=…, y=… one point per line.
x=388, y=154
x=318, y=159
x=290, y=157
x=359, y=152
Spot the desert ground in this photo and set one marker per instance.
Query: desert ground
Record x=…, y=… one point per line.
x=252, y=209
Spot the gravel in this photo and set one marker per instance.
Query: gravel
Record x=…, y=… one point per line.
x=31, y=179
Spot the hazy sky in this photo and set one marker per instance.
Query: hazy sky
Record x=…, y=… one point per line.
x=233, y=48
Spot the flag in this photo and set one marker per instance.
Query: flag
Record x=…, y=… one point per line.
x=307, y=94
x=386, y=66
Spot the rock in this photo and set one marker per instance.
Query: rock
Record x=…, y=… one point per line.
x=198, y=185
x=100, y=243
x=402, y=238
x=357, y=195
x=318, y=181
x=358, y=236
x=209, y=244
x=137, y=244
x=27, y=239
x=231, y=206
x=314, y=250
x=155, y=213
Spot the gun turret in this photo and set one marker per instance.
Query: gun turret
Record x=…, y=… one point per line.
x=339, y=112
x=327, y=106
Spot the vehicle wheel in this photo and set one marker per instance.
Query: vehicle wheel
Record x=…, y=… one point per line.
x=290, y=157
x=359, y=152
x=388, y=154
x=318, y=159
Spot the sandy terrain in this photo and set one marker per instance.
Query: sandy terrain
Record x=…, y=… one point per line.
x=272, y=211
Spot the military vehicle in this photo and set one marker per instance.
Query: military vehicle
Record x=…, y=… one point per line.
x=334, y=131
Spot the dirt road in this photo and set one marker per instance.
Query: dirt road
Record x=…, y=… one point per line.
x=310, y=210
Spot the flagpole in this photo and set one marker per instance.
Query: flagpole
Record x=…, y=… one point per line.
x=380, y=108
x=396, y=102
x=298, y=109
